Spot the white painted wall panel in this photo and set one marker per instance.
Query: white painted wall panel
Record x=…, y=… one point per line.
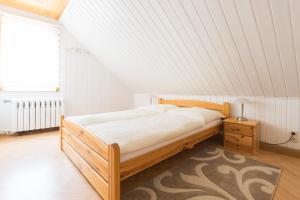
x=219, y=18
x=278, y=115
x=260, y=115
x=294, y=7
x=203, y=37
x=188, y=38
x=215, y=37
x=87, y=87
x=233, y=19
x=164, y=44
x=249, y=26
x=293, y=118
x=265, y=27
x=204, y=47
x=280, y=131
x=285, y=40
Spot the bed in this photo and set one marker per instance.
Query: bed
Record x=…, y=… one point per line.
x=109, y=148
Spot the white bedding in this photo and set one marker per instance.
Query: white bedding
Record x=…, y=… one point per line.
x=129, y=156
x=140, y=129
x=135, y=134
x=99, y=118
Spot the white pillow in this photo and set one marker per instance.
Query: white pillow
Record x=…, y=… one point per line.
x=159, y=107
x=198, y=113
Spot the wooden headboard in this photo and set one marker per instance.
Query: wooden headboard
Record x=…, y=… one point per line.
x=222, y=108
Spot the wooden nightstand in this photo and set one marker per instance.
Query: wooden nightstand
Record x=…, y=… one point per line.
x=241, y=136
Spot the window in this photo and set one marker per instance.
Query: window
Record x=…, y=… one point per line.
x=29, y=55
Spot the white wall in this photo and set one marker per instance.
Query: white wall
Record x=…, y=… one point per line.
x=87, y=86
x=278, y=115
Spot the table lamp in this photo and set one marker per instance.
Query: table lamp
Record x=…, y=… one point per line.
x=242, y=102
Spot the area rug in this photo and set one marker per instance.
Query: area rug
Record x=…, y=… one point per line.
x=207, y=172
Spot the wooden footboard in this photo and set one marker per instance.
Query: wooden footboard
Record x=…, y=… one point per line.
x=97, y=161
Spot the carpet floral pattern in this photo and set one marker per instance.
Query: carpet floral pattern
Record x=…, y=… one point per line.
x=209, y=173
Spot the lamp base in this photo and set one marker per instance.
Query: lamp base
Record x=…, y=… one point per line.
x=242, y=119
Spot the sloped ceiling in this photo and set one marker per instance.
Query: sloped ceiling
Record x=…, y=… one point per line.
x=212, y=47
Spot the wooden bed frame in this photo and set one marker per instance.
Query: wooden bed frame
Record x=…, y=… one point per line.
x=100, y=162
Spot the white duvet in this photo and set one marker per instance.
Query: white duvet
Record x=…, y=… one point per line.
x=138, y=129
x=99, y=118
x=135, y=134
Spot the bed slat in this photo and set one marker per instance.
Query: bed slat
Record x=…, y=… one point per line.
x=100, y=185
x=95, y=161
x=87, y=138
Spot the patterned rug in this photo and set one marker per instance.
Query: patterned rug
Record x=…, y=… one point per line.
x=205, y=173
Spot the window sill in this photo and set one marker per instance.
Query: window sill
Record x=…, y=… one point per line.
x=56, y=90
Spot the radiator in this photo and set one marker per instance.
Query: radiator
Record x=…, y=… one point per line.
x=36, y=114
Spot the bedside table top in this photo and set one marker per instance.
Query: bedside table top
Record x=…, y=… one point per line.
x=235, y=121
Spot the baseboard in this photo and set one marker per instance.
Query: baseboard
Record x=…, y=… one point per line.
x=31, y=132
x=280, y=149
x=38, y=131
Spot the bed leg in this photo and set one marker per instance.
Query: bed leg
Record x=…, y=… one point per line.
x=61, y=131
x=114, y=172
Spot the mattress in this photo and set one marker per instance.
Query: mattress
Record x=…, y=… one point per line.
x=125, y=157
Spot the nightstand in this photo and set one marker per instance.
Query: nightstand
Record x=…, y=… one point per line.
x=241, y=136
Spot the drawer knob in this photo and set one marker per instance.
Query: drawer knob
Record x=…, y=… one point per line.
x=235, y=129
x=81, y=134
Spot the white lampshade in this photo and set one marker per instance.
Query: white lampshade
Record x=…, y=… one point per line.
x=242, y=101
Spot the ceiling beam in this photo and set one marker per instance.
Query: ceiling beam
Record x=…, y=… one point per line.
x=47, y=8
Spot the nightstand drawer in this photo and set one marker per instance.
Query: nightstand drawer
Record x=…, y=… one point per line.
x=237, y=128
x=238, y=147
x=238, y=139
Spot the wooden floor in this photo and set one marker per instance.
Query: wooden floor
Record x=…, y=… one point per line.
x=33, y=168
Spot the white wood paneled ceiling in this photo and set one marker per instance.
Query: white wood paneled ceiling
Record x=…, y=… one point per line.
x=208, y=47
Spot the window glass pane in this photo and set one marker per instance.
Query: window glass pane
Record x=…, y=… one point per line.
x=29, y=55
